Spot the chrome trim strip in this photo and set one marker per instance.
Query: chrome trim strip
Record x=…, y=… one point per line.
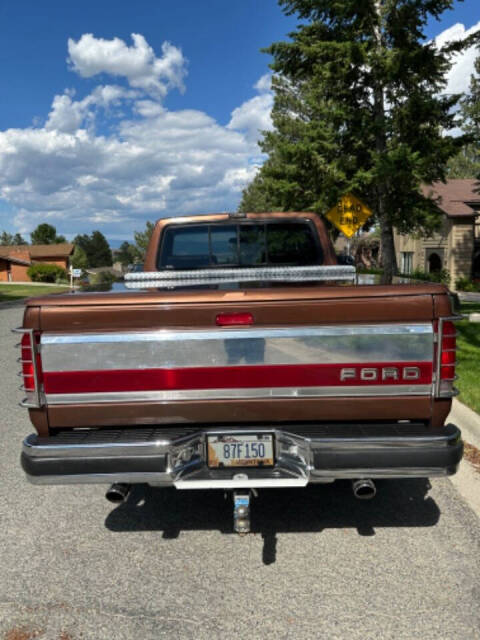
x=238, y=346
x=227, y=333
x=398, y=472
x=250, y=483
x=239, y=394
x=162, y=479
x=95, y=450
x=165, y=480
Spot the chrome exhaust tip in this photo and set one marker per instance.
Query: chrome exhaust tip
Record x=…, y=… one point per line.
x=364, y=489
x=118, y=492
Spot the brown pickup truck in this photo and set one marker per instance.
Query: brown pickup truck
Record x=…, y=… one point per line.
x=240, y=359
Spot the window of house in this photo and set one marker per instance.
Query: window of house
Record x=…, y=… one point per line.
x=407, y=261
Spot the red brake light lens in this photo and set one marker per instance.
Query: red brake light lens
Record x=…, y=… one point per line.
x=27, y=363
x=448, y=351
x=233, y=319
x=28, y=370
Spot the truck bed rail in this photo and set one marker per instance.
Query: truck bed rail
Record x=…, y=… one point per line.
x=147, y=279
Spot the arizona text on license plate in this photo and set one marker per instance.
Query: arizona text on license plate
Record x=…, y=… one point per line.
x=234, y=450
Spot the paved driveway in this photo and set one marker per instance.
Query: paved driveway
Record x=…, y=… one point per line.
x=166, y=565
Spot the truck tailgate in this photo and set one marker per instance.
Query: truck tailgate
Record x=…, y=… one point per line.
x=331, y=353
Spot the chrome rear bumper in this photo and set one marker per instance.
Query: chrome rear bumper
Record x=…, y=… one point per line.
x=303, y=454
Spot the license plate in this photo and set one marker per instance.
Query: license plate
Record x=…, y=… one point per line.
x=240, y=450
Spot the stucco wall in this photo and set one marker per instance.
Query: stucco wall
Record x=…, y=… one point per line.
x=462, y=243
x=419, y=246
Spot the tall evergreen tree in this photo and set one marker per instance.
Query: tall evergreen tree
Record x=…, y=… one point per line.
x=466, y=164
x=127, y=253
x=46, y=234
x=471, y=105
x=256, y=197
x=142, y=238
x=11, y=239
x=359, y=107
x=96, y=248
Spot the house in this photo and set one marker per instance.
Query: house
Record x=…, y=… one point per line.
x=15, y=259
x=456, y=246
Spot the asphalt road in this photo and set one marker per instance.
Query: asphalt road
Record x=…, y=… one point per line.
x=166, y=564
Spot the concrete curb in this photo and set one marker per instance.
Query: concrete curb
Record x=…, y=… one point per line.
x=467, y=420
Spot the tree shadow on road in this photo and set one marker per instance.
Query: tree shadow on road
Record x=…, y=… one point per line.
x=399, y=503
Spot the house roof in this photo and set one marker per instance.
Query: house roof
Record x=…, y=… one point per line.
x=13, y=259
x=456, y=198
x=36, y=251
x=62, y=250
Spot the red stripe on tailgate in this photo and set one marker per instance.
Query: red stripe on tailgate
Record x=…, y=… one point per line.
x=230, y=377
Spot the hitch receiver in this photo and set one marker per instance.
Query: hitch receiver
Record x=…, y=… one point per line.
x=241, y=511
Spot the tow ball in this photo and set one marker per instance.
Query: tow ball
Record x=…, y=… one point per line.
x=241, y=511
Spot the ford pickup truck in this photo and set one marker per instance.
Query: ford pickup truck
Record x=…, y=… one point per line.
x=242, y=357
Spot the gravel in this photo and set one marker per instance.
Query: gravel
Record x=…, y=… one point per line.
x=166, y=564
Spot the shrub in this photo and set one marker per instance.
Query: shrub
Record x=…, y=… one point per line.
x=442, y=276
x=375, y=270
x=46, y=273
x=103, y=277
x=465, y=284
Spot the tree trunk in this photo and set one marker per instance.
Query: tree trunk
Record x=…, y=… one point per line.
x=387, y=244
x=388, y=251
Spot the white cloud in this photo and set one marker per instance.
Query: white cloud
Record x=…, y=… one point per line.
x=68, y=115
x=85, y=169
x=253, y=116
x=90, y=56
x=458, y=78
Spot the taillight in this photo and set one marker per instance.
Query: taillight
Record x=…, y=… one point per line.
x=446, y=357
x=233, y=319
x=30, y=360
x=449, y=351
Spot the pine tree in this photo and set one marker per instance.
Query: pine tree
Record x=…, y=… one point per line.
x=11, y=239
x=142, y=238
x=100, y=252
x=466, y=164
x=255, y=197
x=359, y=107
x=96, y=248
x=127, y=253
x=46, y=234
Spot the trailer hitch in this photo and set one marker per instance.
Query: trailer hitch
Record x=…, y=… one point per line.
x=241, y=510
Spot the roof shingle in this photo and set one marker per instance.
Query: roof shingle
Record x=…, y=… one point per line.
x=455, y=196
x=37, y=251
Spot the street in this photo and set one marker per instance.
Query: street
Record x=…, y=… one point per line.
x=166, y=564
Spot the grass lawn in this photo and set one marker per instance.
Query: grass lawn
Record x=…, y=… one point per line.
x=11, y=292
x=468, y=357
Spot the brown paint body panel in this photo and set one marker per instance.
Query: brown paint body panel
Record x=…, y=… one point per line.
x=198, y=315
x=243, y=411
x=277, y=306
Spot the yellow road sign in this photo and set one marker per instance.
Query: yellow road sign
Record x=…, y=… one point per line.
x=349, y=214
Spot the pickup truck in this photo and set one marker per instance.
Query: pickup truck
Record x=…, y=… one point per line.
x=241, y=358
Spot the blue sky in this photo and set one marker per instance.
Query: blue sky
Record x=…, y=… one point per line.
x=102, y=131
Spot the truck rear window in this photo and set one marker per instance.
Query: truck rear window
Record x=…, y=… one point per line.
x=239, y=244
